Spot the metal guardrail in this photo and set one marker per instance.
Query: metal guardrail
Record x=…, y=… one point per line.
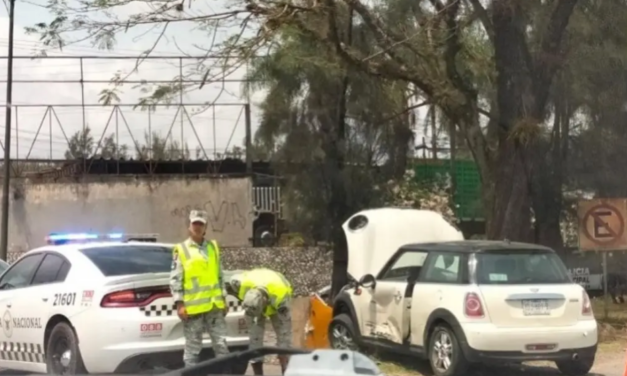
x=217, y=366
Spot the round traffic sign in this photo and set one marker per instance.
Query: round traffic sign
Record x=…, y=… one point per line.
x=603, y=224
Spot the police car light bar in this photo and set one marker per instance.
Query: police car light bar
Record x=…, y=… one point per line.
x=59, y=237
x=82, y=237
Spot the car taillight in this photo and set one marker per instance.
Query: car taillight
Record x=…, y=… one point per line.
x=472, y=306
x=135, y=297
x=586, y=307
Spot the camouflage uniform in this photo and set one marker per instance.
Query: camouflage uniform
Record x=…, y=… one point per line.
x=193, y=328
x=254, y=303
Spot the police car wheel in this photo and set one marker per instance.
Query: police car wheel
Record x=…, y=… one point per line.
x=62, y=354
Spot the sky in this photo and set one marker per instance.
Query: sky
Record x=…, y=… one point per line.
x=45, y=114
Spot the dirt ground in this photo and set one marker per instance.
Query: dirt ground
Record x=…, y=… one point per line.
x=610, y=359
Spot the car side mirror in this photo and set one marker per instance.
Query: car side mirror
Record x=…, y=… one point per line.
x=367, y=281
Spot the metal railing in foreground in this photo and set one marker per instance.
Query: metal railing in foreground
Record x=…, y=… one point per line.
x=218, y=366
x=302, y=363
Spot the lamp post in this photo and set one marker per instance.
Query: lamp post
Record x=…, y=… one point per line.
x=4, y=236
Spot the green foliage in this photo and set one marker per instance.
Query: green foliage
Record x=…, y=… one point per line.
x=80, y=144
x=157, y=147
x=402, y=51
x=83, y=145
x=299, y=119
x=408, y=192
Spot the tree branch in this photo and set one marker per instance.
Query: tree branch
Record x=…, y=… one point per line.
x=546, y=63
x=394, y=67
x=453, y=47
x=484, y=18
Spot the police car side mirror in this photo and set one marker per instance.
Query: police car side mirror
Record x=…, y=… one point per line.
x=367, y=281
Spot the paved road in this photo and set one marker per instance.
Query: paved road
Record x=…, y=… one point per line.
x=607, y=364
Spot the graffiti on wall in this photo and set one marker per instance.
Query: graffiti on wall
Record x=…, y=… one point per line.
x=221, y=214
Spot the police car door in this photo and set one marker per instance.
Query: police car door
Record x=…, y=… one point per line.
x=47, y=293
x=14, y=296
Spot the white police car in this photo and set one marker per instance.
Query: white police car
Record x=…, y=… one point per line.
x=97, y=304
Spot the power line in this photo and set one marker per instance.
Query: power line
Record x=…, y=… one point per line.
x=78, y=48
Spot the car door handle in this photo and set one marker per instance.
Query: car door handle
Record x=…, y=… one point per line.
x=44, y=299
x=398, y=296
x=8, y=305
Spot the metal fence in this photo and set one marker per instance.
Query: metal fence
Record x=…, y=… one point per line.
x=117, y=108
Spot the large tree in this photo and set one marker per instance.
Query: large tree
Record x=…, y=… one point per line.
x=488, y=66
x=336, y=135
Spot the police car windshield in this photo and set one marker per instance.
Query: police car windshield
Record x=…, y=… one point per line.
x=512, y=267
x=127, y=259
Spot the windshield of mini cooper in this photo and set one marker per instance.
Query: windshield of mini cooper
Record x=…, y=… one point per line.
x=520, y=267
x=122, y=260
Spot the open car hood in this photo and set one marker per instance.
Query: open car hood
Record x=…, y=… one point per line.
x=373, y=236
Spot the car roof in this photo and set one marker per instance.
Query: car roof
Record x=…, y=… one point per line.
x=477, y=246
x=69, y=249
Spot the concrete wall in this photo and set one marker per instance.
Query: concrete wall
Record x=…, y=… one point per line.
x=130, y=204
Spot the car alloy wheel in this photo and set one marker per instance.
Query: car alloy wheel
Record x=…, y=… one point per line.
x=342, y=338
x=442, y=352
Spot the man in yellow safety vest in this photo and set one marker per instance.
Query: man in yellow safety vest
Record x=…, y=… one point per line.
x=196, y=283
x=264, y=293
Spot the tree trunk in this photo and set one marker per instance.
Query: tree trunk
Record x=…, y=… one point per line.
x=547, y=204
x=511, y=203
x=548, y=181
x=403, y=142
x=511, y=212
x=335, y=151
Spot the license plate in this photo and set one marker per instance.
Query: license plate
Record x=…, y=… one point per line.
x=536, y=307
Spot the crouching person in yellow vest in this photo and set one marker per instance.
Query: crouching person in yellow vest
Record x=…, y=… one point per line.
x=197, y=285
x=264, y=294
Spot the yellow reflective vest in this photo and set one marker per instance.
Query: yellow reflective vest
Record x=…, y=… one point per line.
x=274, y=283
x=201, y=278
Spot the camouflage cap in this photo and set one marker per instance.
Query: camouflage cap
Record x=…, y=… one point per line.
x=254, y=302
x=198, y=216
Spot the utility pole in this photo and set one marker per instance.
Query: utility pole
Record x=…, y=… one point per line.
x=4, y=246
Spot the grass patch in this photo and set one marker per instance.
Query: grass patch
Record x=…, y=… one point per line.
x=613, y=328
x=617, y=313
x=396, y=369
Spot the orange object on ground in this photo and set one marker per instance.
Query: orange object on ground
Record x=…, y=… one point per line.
x=317, y=329
x=625, y=369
